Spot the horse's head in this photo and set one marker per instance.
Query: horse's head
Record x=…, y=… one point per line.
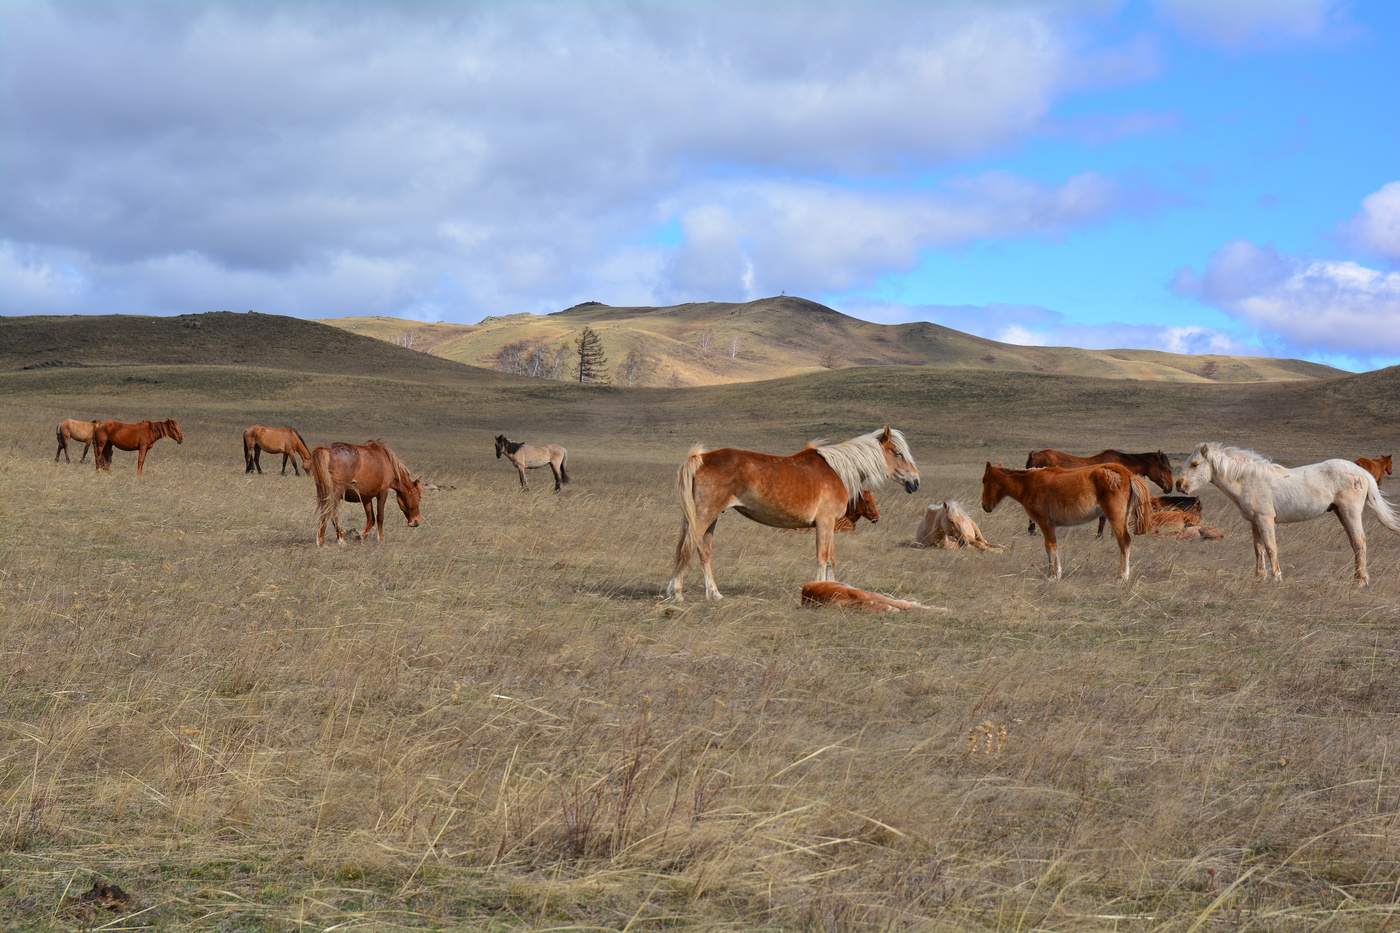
x=864, y=507
x=1159, y=470
x=172, y=429
x=899, y=462
x=1196, y=473
x=501, y=443
x=992, y=488
x=1385, y=462
x=409, y=495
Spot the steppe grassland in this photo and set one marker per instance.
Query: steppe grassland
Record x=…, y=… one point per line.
x=491, y=721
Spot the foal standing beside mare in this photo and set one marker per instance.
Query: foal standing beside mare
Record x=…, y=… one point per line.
x=138, y=437
x=361, y=473
x=284, y=441
x=1061, y=497
x=809, y=489
x=529, y=456
x=1155, y=466
x=1268, y=494
x=73, y=429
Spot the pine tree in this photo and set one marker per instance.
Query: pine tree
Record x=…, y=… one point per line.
x=592, y=361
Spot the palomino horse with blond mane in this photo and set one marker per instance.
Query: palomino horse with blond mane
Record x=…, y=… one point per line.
x=529, y=456
x=1380, y=467
x=1155, y=466
x=361, y=473
x=1061, y=497
x=284, y=441
x=138, y=437
x=809, y=489
x=1268, y=494
x=73, y=429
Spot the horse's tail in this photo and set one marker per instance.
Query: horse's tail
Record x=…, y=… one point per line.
x=1139, y=506
x=1385, y=509
x=249, y=442
x=326, y=499
x=563, y=462
x=685, y=490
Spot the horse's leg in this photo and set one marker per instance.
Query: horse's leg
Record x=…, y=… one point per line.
x=87, y=445
x=62, y=448
x=1030, y=529
x=1052, y=548
x=826, y=548
x=296, y=471
x=673, y=588
x=524, y=484
x=1356, y=533
x=141, y=457
x=706, y=543
x=555, y=470
x=1125, y=538
x=1102, y=520
x=1268, y=540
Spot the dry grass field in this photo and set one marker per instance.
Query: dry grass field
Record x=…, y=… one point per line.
x=492, y=722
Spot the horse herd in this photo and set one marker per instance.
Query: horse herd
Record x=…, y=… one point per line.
x=827, y=486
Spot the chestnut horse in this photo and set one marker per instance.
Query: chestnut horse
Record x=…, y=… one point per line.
x=1155, y=466
x=73, y=429
x=284, y=441
x=1061, y=497
x=1380, y=468
x=138, y=437
x=809, y=489
x=829, y=593
x=862, y=506
x=529, y=456
x=361, y=473
x=1267, y=494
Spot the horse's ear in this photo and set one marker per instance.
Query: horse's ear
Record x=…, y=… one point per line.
x=886, y=434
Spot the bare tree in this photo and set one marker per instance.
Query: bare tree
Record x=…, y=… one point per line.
x=831, y=357
x=632, y=366
x=734, y=347
x=592, y=365
x=407, y=339
x=706, y=338
x=511, y=357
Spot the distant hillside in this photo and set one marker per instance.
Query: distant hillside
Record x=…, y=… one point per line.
x=218, y=338
x=711, y=343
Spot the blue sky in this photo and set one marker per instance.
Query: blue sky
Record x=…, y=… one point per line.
x=1187, y=175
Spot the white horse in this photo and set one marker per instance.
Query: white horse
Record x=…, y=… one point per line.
x=1268, y=493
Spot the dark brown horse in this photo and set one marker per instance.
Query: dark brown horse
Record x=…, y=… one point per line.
x=73, y=430
x=1380, y=467
x=361, y=473
x=1061, y=497
x=809, y=489
x=138, y=437
x=1155, y=466
x=284, y=441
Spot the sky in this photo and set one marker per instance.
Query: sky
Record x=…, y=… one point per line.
x=1197, y=176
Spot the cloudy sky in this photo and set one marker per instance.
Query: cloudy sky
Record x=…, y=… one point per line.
x=1187, y=175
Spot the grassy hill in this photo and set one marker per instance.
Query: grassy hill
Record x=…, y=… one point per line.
x=709, y=343
x=490, y=722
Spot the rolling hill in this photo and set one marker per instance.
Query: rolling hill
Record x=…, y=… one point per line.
x=710, y=343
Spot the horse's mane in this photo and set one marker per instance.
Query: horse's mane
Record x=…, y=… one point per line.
x=401, y=470
x=1236, y=462
x=299, y=438
x=860, y=461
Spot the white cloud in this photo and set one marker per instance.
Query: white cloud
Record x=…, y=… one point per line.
x=1312, y=305
x=1376, y=227
x=1233, y=22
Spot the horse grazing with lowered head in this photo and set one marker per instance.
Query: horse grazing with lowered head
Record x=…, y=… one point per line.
x=1380, y=467
x=530, y=456
x=862, y=506
x=1061, y=497
x=830, y=593
x=362, y=473
x=809, y=489
x=284, y=441
x=138, y=437
x=72, y=429
x=1155, y=466
x=1268, y=494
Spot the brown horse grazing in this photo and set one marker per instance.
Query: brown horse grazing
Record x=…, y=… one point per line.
x=1155, y=466
x=809, y=489
x=73, y=430
x=1058, y=497
x=138, y=437
x=1380, y=468
x=361, y=473
x=830, y=593
x=529, y=456
x=862, y=506
x=284, y=441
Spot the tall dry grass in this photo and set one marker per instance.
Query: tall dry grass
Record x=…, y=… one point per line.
x=492, y=722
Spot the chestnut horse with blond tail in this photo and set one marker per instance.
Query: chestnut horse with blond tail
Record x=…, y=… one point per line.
x=809, y=489
x=1062, y=497
x=284, y=441
x=1268, y=494
x=73, y=429
x=361, y=473
x=138, y=437
x=1155, y=466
